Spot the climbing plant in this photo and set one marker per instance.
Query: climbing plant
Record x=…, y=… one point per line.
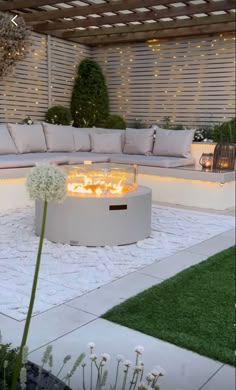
x=89, y=101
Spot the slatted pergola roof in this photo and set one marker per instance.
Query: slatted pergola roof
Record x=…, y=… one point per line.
x=95, y=22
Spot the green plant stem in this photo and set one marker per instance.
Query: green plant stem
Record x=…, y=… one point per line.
x=117, y=373
x=32, y=299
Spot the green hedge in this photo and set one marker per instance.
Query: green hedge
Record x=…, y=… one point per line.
x=59, y=115
x=225, y=132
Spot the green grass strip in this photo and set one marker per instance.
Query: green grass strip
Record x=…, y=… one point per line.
x=194, y=309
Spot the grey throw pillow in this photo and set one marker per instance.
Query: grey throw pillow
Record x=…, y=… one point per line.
x=106, y=143
x=81, y=140
x=28, y=138
x=59, y=138
x=7, y=145
x=175, y=143
x=138, y=141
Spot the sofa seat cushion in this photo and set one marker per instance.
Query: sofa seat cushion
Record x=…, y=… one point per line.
x=28, y=138
x=152, y=161
x=7, y=145
x=80, y=157
x=138, y=141
x=31, y=159
x=59, y=138
x=173, y=143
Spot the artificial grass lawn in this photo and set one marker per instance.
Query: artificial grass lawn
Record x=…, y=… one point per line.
x=194, y=309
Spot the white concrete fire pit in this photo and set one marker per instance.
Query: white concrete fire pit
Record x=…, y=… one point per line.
x=104, y=206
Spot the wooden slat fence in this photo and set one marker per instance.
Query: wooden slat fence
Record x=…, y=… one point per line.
x=44, y=78
x=191, y=80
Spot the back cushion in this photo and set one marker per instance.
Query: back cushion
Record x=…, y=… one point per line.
x=139, y=141
x=59, y=138
x=106, y=143
x=81, y=140
x=7, y=145
x=175, y=143
x=28, y=138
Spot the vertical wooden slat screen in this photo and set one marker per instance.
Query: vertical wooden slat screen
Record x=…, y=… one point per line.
x=191, y=80
x=43, y=78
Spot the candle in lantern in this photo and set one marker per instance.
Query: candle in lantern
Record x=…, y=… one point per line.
x=206, y=161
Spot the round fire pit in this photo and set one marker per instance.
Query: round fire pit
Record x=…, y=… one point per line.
x=104, y=206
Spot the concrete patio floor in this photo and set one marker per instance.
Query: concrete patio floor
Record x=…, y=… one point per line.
x=69, y=327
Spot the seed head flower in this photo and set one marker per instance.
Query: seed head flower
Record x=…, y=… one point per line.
x=47, y=183
x=120, y=358
x=93, y=357
x=149, y=377
x=106, y=357
x=91, y=345
x=158, y=370
x=139, y=349
x=128, y=363
x=142, y=386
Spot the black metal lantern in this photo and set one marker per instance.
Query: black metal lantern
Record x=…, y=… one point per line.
x=206, y=161
x=224, y=157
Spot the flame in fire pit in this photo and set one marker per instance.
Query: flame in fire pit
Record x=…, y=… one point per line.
x=82, y=184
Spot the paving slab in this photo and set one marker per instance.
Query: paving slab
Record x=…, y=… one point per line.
x=185, y=370
x=104, y=298
x=213, y=245
x=171, y=265
x=224, y=379
x=46, y=327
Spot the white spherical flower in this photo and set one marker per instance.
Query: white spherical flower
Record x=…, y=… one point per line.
x=139, y=349
x=47, y=183
x=128, y=363
x=142, y=386
x=149, y=377
x=106, y=357
x=93, y=357
x=91, y=345
x=120, y=358
x=158, y=370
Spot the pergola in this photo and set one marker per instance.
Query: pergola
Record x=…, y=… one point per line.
x=94, y=22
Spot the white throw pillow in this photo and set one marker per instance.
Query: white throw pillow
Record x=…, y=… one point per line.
x=7, y=145
x=175, y=143
x=28, y=138
x=139, y=141
x=106, y=143
x=59, y=138
x=81, y=140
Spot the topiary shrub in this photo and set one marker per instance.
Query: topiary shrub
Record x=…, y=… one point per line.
x=59, y=115
x=115, y=122
x=225, y=132
x=89, y=101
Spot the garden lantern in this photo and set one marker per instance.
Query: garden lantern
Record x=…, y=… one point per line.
x=224, y=157
x=206, y=161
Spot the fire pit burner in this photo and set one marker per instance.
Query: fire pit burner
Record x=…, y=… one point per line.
x=104, y=206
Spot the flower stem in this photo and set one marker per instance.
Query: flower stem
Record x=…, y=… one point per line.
x=32, y=299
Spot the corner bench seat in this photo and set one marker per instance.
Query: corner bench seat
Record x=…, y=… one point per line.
x=152, y=161
x=32, y=159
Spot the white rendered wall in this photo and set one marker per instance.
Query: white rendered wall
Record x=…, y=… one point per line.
x=13, y=194
x=196, y=193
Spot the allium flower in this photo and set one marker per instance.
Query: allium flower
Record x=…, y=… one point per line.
x=128, y=363
x=120, y=358
x=158, y=370
x=23, y=378
x=139, y=349
x=149, y=377
x=91, y=345
x=47, y=183
x=106, y=357
x=93, y=357
x=142, y=386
